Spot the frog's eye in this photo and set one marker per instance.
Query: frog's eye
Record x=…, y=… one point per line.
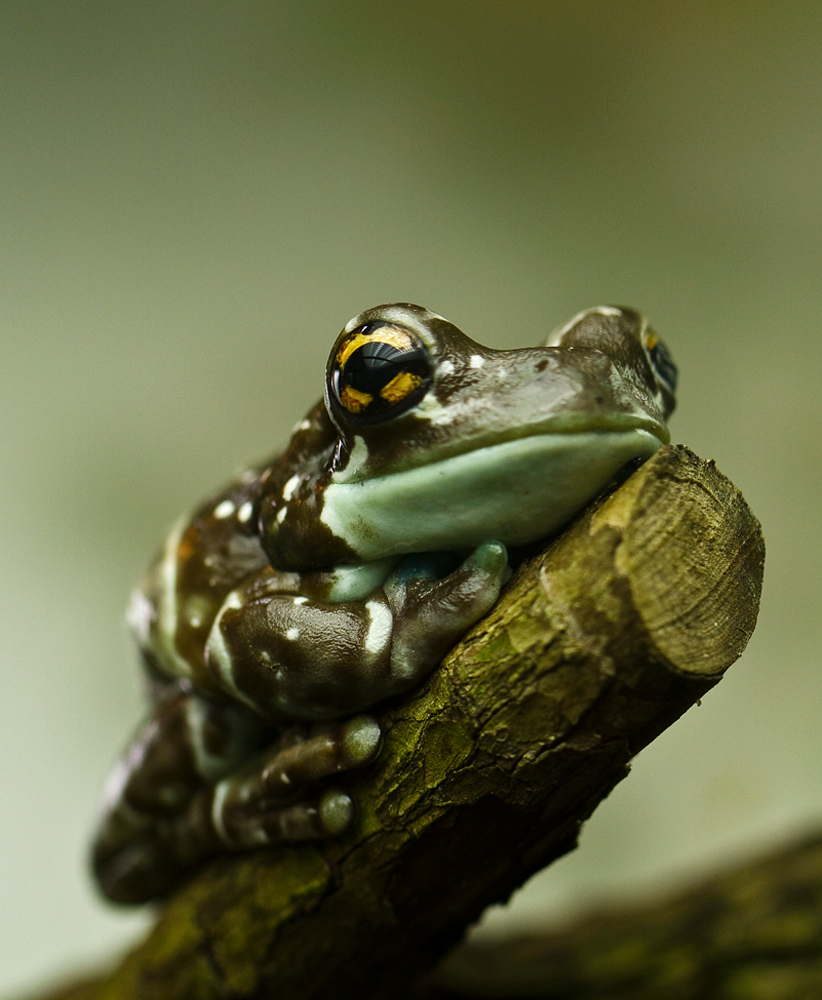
x=661, y=361
x=376, y=372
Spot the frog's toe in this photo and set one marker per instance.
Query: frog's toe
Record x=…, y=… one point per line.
x=474, y=587
x=329, y=815
x=352, y=744
x=275, y=798
x=360, y=740
x=491, y=557
x=336, y=811
x=319, y=818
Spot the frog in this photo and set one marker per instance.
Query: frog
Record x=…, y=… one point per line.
x=330, y=580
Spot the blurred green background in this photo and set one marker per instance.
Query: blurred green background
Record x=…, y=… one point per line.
x=197, y=196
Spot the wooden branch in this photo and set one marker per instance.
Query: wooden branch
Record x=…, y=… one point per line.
x=753, y=932
x=488, y=771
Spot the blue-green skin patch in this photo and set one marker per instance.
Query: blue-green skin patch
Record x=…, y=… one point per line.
x=338, y=574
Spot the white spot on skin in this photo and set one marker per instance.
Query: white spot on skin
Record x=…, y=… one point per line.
x=357, y=581
x=357, y=458
x=380, y=626
x=245, y=512
x=281, y=514
x=116, y=783
x=303, y=425
x=209, y=766
x=446, y=368
x=290, y=487
x=167, y=617
x=432, y=410
x=292, y=634
x=359, y=452
x=217, y=654
x=224, y=509
x=220, y=792
x=301, y=600
x=196, y=610
x=140, y=615
x=477, y=361
x=258, y=837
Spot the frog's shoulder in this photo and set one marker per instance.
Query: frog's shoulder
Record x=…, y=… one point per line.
x=218, y=545
x=211, y=551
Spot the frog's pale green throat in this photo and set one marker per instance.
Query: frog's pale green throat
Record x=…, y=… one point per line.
x=443, y=443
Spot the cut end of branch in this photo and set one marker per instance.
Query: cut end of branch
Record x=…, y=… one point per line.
x=694, y=556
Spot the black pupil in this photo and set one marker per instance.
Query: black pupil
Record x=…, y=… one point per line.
x=374, y=365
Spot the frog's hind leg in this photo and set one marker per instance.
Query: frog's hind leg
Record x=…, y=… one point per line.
x=165, y=815
x=186, y=744
x=274, y=797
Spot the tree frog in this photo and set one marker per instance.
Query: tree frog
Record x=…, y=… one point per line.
x=336, y=575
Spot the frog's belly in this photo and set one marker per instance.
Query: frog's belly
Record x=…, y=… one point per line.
x=515, y=492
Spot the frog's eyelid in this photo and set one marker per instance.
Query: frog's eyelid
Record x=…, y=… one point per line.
x=413, y=317
x=554, y=338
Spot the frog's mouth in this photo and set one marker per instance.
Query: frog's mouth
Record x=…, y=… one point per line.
x=427, y=447
x=514, y=491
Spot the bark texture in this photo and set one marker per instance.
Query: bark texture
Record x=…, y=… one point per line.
x=598, y=644
x=753, y=933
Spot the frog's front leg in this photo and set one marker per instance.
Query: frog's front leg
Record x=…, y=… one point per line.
x=186, y=743
x=274, y=797
x=311, y=658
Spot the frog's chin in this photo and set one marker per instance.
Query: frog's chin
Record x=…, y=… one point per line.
x=515, y=492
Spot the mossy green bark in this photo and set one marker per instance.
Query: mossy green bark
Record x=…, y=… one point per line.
x=489, y=770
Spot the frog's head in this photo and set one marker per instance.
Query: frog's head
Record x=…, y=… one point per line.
x=442, y=444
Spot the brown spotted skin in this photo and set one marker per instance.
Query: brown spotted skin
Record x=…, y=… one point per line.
x=339, y=573
x=287, y=657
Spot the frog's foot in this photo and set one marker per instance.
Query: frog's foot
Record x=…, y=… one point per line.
x=274, y=798
x=432, y=611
